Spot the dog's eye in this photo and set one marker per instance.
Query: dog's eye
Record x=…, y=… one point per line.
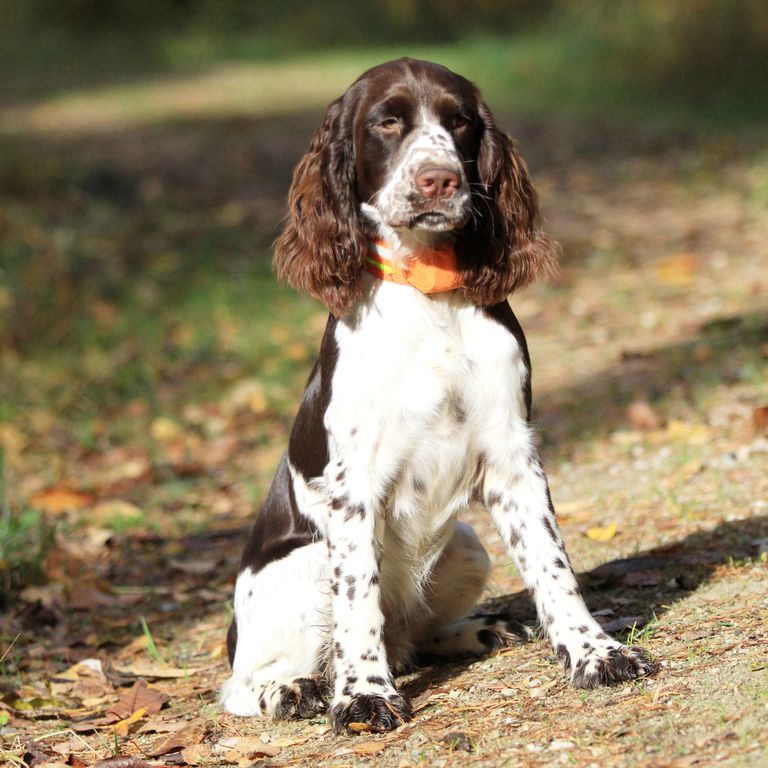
x=389, y=125
x=459, y=122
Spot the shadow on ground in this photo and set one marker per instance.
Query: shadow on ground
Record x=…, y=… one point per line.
x=646, y=585
x=723, y=351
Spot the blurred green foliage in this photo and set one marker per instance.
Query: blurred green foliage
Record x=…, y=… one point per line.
x=698, y=51
x=341, y=22
x=701, y=52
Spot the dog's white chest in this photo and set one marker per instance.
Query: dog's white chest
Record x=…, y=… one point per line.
x=417, y=382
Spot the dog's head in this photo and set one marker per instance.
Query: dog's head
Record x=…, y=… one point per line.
x=411, y=147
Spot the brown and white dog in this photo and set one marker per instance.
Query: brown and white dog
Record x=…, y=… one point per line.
x=412, y=218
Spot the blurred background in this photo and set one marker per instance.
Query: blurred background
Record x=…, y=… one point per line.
x=151, y=365
x=146, y=149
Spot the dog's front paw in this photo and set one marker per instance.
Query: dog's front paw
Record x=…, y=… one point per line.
x=611, y=665
x=371, y=712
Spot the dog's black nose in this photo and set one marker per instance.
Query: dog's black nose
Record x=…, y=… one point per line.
x=437, y=183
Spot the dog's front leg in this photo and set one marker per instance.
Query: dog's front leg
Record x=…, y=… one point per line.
x=364, y=690
x=519, y=501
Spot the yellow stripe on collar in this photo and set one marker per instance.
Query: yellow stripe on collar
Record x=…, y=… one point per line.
x=429, y=271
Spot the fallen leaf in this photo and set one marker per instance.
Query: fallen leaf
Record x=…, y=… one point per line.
x=574, y=505
x=242, y=749
x=92, y=594
x=137, y=645
x=458, y=740
x=152, y=670
x=30, y=706
x=121, y=762
x=197, y=567
x=247, y=394
x=55, y=501
x=623, y=622
x=642, y=417
x=47, y=594
x=123, y=727
x=760, y=418
x=602, y=534
x=174, y=742
x=693, y=434
x=196, y=754
x=139, y=696
x=84, y=680
x=691, y=468
x=359, y=727
x=369, y=747
x=678, y=269
x=642, y=579
x=289, y=741
x=110, y=512
x=164, y=429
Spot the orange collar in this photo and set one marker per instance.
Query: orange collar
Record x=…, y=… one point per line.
x=429, y=271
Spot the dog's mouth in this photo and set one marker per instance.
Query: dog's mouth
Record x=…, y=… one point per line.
x=436, y=221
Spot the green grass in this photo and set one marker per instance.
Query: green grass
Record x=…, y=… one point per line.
x=152, y=650
x=25, y=537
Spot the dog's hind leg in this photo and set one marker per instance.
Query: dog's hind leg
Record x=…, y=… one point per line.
x=281, y=633
x=455, y=629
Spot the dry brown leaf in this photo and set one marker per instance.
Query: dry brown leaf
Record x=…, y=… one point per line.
x=690, y=468
x=678, y=269
x=760, y=418
x=123, y=727
x=573, y=507
x=369, y=747
x=196, y=754
x=158, y=671
x=57, y=500
x=165, y=430
x=196, y=567
x=137, y=645
x=693, y=434
x=360, y=727
x=84, y=680
x=642, y=579
x=602, y=534
x=139, y=696
x=289, y=741
x=110, y=511
x=623, y=622
x=244, y=749
x=121, y=761
x=642, y=417
x=93, y=593
x=181, y=739
x=246, y=394
x=47, y=594
x=162, y=725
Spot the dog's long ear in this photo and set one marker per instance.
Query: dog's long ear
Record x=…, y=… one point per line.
x=503, y=249
x=322, y=247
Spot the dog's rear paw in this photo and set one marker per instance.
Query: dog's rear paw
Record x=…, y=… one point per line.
x=370, y=712
x=475, y=636
x=304, y=698
x=612, y=666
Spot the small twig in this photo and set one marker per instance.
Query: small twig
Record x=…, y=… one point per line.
x=10, y=647
x=63, y=733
